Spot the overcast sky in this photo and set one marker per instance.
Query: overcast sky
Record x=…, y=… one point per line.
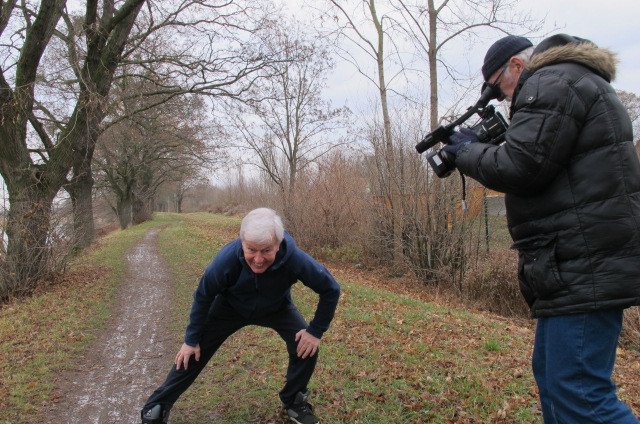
x=614, y=24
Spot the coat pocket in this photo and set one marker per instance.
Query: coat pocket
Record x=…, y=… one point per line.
x=538, y=267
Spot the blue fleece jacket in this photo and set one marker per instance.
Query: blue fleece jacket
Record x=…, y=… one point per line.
x=229, y=279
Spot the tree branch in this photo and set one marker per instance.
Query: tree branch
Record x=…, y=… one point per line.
x=5, y=13
x=36, y=41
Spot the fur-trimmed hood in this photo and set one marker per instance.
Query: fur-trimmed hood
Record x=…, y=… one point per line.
x=566, y=48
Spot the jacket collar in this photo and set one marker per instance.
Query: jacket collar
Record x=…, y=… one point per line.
x=563, y=48
x=566, y=48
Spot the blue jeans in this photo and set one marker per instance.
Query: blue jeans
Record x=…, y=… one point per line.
x=573, y=358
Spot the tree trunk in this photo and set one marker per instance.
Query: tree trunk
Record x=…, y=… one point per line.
x=81, y=192
x=141, y=210
x=143, y=198
x=433, y=66
x=32, y=186
x=123, y=210
x=289, y=206
x=28, y=225
x=179, y=198
x=393, y=179
x=435, y=187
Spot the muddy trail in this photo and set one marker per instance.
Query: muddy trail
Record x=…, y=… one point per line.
x=128, y=360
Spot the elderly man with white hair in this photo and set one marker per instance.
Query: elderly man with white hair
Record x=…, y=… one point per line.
x=249, y=283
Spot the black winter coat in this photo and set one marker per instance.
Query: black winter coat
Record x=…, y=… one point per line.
x=572, y=181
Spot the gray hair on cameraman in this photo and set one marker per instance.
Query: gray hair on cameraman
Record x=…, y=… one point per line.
x=262, y=225
x=525, y=54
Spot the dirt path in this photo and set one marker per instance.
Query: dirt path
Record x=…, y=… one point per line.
x=129, y=359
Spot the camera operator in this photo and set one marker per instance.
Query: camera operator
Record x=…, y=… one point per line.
x=572, y=182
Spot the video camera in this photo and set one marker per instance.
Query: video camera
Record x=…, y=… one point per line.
x=490, y=129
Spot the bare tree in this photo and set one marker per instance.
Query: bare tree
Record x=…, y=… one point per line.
x=366, y=29
x=208, y=47
x=292, y=126
x=432, y=25
x=396, y=35
x=34, y=175
x=57, y=70
x=178, y=189
x=137, y=155
x=631, y=102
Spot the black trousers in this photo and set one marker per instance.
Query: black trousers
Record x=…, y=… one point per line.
x=222, y=322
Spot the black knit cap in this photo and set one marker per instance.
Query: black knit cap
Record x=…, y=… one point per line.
x=501, y=51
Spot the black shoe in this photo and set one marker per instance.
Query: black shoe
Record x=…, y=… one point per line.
x=155, y=415
x=301, y=411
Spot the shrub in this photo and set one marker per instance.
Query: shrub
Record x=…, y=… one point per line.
x=328, y=212
x=492, y=284
x=340, y=254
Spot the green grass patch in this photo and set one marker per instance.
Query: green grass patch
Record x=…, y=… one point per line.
x=492, y=345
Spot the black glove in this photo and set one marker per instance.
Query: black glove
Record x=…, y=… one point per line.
x=459, y=139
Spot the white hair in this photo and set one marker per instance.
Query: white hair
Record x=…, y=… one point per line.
x=262, y=225
x=525, y=54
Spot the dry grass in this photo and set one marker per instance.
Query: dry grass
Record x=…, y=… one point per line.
x=631, y=330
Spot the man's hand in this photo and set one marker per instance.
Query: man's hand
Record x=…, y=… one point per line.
x=307, y=344
x=459, y=139
x=182, y=358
